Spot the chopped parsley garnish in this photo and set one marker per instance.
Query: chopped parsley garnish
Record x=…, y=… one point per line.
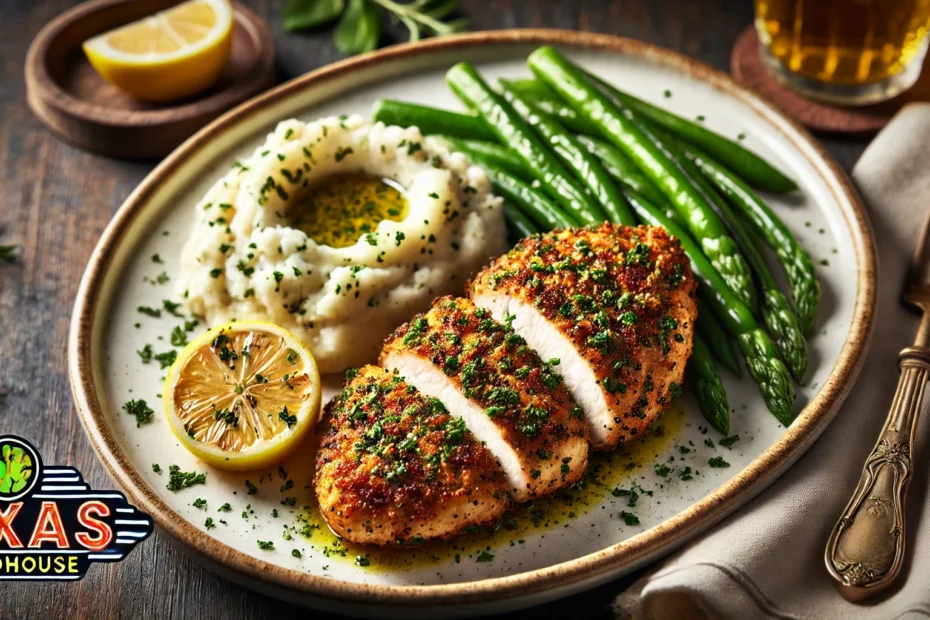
x=156, y=468
x=287, y=418
x=178, y=479
x=145, y=354
x=166, y=359
x=296, y=553
x=629, y=518
x=200, y=503
x=266, y=545
x=718, y=462
x=726, y=442
x=171, y=307
x=152, y=312
x=141, y=410
x=252, y=489
x=224, y=508
x=484, y=556
x=157, y=259
x=215, y=273
x=178, y=337
x=209, y=523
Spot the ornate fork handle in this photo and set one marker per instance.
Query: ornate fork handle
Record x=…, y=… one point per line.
x=866, y=548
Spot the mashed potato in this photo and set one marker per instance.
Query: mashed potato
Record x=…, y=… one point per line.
x=245, y=260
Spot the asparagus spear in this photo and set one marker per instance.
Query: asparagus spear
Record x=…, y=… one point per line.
x=715, y=337
x=618, y=124
x=765, y=367
x=776, y=312
x=711, y=397
x=805, y=287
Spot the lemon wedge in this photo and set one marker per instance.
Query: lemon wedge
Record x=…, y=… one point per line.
x=243, y=396
x=169, y=55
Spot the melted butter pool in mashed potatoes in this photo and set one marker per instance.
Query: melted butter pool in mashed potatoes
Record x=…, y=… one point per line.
x=339, y=230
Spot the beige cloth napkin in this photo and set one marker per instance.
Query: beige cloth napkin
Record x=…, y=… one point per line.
x=766, y=561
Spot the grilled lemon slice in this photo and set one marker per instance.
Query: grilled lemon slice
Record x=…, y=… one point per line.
x=243, y=396
x=169, y=55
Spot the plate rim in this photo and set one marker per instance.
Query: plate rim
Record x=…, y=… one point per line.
x=564, y=576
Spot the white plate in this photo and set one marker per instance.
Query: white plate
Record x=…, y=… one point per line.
x=528, y=565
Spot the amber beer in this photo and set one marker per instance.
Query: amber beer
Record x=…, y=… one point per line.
x=849, y=51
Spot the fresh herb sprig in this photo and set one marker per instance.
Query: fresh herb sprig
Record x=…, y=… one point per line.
x=359, y=27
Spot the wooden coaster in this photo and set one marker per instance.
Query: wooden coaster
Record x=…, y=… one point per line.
x=71, y=99
x=750, y=69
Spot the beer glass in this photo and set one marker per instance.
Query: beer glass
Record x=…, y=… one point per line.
x=852, y=52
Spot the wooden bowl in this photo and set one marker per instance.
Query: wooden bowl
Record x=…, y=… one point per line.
x=71, y=99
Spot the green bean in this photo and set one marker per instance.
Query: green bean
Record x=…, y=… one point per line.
x=715, y=336
x=741, y=160
x=432, y=120
x=545, y=99
x=518, y=223
x=534, y=205
x=708, y=388
x=496, y=155
x=797, y=263
x=574, y=156
x=653, y=158
x=621, y=168
x=762, y=360
x=513, y=131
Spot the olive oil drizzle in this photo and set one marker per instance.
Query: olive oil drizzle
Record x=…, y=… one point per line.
x=339, y=210
x=606, y=472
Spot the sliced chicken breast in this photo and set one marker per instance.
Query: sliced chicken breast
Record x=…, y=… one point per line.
x=514, y=403
x=393, y=467
x=616, y=304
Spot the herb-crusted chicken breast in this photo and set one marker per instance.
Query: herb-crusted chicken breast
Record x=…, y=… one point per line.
x=513, y=402
x=615, y=304
x=393, y=467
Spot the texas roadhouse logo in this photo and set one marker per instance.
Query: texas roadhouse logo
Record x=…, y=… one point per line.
x=53, y=526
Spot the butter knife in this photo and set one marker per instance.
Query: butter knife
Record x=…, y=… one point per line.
x=866, y=548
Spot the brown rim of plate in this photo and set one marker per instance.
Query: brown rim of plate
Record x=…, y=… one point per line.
x=633, y=551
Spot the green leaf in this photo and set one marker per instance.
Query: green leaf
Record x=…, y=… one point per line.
x=5, y=485
x=16, y=470
x=18, y=453
x=305, y=14
x=6, y=451
x=18, y=486
x=2, y=469
x=359, y=29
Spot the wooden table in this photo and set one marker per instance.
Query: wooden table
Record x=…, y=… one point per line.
x=56, y=200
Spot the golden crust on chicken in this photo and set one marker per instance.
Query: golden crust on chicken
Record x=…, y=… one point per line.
x=393, y=467
x=513, y=401
x=616, y=304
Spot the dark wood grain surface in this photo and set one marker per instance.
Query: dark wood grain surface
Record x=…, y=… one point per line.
x=55, y=201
